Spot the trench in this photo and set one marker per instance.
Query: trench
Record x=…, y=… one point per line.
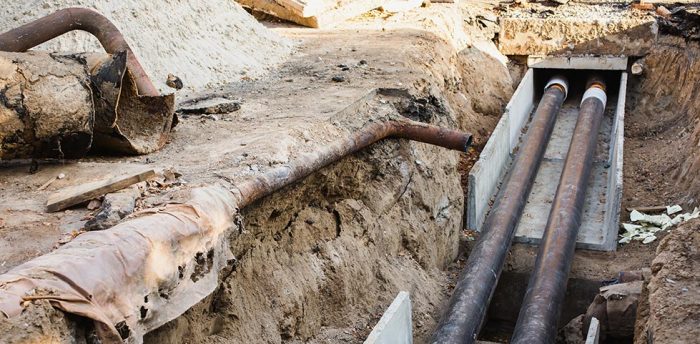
x=328, y=232
x=319, y=261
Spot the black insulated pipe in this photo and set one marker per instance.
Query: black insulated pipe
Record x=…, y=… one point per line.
x=537, y=321
x=471, y=297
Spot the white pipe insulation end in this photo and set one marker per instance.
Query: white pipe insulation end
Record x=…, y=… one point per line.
x=561, y=81
x=595, y=92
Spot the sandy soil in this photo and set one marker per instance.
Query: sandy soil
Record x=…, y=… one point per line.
x=205, y=43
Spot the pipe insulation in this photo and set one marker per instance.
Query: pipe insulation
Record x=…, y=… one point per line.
x=470, y=299
x=62, y=105
x=539, y=314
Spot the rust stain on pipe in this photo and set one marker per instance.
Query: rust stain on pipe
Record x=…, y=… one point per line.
x=539, y=314
x=474, y=289
x=265, y=184
x=60, y=22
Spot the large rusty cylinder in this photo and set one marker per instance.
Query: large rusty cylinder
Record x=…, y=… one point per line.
x=46, y=106
x=61, y=106
x=126, y=122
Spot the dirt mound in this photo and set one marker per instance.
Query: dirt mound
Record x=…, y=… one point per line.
x=205, y=43
x=663, y=126
x=672, y=312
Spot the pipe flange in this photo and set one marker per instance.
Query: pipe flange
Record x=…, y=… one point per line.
x=595, y=92
x=561, y=81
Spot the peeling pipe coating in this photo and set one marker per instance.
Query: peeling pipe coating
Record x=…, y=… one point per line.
x=537, y=321
x=471, y=297
x=41, y=30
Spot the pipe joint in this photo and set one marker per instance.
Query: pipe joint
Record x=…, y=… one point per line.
x=595, y=92
x=560, y=81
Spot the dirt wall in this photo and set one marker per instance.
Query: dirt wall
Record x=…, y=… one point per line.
x=662, y=160
x=331, y=253
x=663, y=125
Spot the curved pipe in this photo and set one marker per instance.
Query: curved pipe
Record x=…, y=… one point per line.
x=472, y=294
x=265, y=184
x=539, y=314
x=60, y=22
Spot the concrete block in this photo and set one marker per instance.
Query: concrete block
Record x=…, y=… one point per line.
x=395, y=326
x=623, y=35
x=578, y=62
x=593, y=335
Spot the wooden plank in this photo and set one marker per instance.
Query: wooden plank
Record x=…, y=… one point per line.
x=316, y=14
x=82, y=193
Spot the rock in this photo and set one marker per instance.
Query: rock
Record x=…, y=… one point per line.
x=210, y=105
x=338, y=78
x=115, y=207
x=637, y=68
x=174, y=82
x=94, y=204
x=663, y=11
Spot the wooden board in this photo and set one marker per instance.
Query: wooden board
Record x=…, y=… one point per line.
x=82, y=193
x=317, y=13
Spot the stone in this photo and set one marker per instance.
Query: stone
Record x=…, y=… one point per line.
x=115, y=207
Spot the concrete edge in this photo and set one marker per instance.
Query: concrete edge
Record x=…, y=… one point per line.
x=578, y=62
x=395, y=325
x=489, y=170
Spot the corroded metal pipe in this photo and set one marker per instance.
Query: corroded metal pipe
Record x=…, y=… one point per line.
x=265, y=184
x=161, y=246
x=537, y=321
x=471, y=297
x=43, y=29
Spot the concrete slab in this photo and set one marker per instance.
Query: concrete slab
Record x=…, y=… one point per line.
x=593, y=335
x=578, y=62
x=595, y=231
x=395, y=326
x=589, y=30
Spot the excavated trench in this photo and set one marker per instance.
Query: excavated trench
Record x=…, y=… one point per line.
x=320, y=260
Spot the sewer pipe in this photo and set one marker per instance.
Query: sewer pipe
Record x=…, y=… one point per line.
x=60, y=22
x=537, y=321
x=471, y=297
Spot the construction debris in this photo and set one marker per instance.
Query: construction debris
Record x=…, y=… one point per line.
x=83, y=193
x=210, y=105
x=115, y=207
x=644, y=227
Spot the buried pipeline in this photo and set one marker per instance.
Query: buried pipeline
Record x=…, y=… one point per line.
x=539, y=314
x=537, y=321
x=470, y=299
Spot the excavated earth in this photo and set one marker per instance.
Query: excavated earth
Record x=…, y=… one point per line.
x=320, y=260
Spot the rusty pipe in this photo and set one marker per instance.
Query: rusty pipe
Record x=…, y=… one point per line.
x=473, y=292
x=60, y=22
x=537, y=321
x=267, y=183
